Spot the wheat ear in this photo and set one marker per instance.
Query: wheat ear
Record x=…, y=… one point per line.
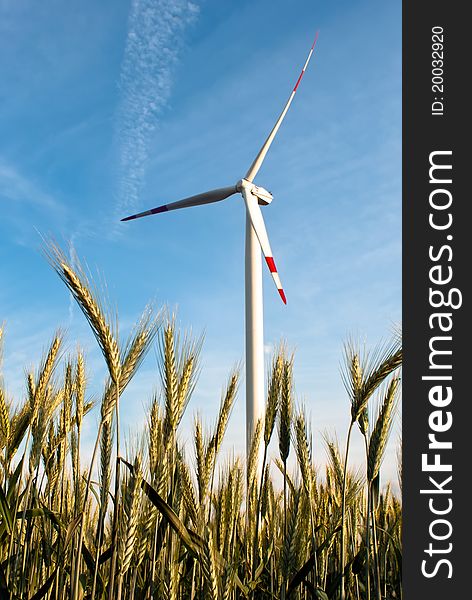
x=80, y=288
x=380, y=433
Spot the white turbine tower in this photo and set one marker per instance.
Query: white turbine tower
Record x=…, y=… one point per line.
x=256, y=240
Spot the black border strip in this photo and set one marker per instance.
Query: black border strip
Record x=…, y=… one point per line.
x=424, y=247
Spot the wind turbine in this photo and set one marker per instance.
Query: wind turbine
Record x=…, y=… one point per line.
x=256, y=240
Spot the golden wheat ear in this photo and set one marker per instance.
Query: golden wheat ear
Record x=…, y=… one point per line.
x=363, y=372
x=381, y=431
x=5, y=421
x=273, y=395
x=286, y=409
x=79, y=284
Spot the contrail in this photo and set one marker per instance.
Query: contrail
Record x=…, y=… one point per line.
x=153, y=44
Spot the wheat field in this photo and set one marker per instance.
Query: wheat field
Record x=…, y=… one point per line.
x=153, y=520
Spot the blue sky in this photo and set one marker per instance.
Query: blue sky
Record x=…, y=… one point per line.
x=112, y=107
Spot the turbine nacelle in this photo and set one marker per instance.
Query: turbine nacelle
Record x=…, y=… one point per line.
x=263, y=196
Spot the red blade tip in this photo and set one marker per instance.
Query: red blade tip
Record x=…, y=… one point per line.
x=271, y=264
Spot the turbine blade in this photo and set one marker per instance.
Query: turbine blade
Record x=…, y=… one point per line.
x=256, y=165
x=259, y=227
x=199, y=199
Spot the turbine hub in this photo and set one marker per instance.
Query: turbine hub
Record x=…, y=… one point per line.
x=263, y=196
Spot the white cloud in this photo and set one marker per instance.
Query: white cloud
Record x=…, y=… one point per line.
x=26, y=206
x=15, y=187
x=153, y=44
